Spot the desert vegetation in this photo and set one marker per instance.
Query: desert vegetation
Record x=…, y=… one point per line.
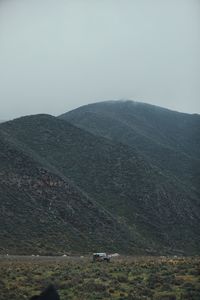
x=159, y=278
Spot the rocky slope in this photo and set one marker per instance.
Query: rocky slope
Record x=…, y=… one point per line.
x=155, y=211
x=167, y=139
x=42, y=212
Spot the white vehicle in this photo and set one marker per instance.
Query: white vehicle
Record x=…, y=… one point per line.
x=101, y=257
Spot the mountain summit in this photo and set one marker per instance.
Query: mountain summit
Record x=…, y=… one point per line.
x=167, y=139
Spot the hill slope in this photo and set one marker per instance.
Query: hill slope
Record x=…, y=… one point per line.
x=158, y=209
x=41, y=212
x=167, y=139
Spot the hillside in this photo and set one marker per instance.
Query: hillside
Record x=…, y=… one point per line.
x=159, y=210
x=167, y=139
x=41, y=212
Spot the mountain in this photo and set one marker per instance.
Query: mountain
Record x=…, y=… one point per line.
x=43, y=212
x=149, y=208
x=167, y=139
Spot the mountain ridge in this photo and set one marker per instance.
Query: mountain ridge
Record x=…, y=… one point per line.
x=118, y=179
x=102, y=119
x=22, y=180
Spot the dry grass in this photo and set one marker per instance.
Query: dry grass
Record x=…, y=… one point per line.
x=159, y=278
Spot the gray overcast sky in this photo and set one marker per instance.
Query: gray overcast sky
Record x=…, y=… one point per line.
x=56, y=55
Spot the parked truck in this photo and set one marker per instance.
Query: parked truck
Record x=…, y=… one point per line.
x=101, y=257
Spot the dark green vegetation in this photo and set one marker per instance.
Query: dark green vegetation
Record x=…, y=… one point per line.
x=42, y=212
x=126, y=182
x=169, y=140
x=130, y=278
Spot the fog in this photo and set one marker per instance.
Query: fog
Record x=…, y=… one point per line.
x=58, y=55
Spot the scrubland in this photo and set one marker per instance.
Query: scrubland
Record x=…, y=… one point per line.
x=159, y=278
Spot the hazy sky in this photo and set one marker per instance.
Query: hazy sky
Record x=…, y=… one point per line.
x=56, y=55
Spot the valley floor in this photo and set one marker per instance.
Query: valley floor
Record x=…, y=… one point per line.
x=124, y=278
